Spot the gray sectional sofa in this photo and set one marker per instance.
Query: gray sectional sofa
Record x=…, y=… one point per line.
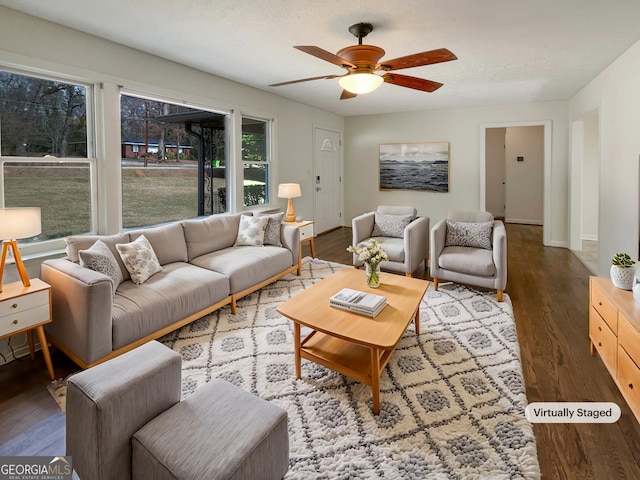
x=202, y=271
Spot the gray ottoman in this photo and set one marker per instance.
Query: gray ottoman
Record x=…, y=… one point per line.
x=106, y=404
x=219, y=432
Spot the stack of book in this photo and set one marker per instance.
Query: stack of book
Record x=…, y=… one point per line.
x=358, y=302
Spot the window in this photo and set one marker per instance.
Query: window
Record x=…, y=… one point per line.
x=46, y=152
x=173, y=162
x=255, y=161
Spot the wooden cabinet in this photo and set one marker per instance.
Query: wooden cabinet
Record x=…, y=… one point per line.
x=25, y=309
x=614, y=330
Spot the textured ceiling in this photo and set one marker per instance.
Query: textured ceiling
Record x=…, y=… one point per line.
x=509, y=51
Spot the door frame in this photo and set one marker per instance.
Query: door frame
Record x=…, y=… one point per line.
x=547, y=124
x=315, y=147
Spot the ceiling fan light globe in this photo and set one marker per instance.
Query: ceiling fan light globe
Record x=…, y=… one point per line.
x=360, y=83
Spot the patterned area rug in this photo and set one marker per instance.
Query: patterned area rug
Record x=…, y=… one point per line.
x=452, y=398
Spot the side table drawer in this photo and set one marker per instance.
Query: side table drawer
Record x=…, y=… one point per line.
x=306, y=232
x=605, y=308
x=604, y=340
x=628, y=376
x=25, y=319
x=25, y=302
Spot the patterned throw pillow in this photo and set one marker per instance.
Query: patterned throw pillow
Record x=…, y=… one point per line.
x=139, y=259
x=99, y=258
x=468, y=234
x=251, y=231
x=390, y=225
x=272, y=232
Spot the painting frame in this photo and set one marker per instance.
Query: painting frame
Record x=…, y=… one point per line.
x=418, y=166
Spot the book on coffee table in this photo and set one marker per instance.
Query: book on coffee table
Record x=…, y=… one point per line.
x=358, y=302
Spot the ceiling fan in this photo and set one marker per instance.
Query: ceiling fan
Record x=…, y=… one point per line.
x=362, y=61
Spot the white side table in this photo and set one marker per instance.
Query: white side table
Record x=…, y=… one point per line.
x=25, y=309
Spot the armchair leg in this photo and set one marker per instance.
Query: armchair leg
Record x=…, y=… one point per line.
x=435, y=284
x=500, y=295
x=408, y=274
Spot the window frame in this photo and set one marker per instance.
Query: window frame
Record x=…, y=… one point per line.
x=33, y=248
x=270, y=164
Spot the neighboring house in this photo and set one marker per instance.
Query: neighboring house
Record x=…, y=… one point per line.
x=136, y=148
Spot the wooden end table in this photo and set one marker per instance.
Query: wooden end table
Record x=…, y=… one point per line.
x=355, y=345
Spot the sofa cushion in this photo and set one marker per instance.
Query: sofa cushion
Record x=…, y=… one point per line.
x=469, y=234
x=393, y=247
x=251, y=231
x=390, y=225
x=274, y=227
x=246, y=266
x=472, y=261
x=99, y=258
x=75, y=243
x=205, y=235
x=140, y=259
x=176, y=292
x=167, y=242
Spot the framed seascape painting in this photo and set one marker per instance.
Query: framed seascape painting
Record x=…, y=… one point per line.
x=414, y=166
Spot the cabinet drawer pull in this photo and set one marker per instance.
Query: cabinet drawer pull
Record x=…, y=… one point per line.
x=15, y=322
x=599, y=344
x=631, y=386
x=599, y=329
x=600, y=304
x=15, y=305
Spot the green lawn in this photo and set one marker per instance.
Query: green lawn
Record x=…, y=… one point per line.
x=63, y=193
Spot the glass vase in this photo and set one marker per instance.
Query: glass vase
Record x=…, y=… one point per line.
x=373, y=275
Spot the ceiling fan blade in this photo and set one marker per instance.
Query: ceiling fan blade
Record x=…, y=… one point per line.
x=418, y=59
x=326, y=56
x=304, y=80
x=411, y=82
x=346, y=94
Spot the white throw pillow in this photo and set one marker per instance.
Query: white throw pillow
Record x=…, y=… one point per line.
x=251, y=231
x=390, y=225
x=139, y=259
x=99, y=258
x=468, y=234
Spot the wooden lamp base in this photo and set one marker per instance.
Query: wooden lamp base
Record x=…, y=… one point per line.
x=19, y=265
x=291, y=213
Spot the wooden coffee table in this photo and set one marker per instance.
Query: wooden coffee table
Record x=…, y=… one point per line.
x=355, y=345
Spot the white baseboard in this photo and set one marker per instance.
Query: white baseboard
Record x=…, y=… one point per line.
x=592, y=238
x=557, y=243
x=523, y=221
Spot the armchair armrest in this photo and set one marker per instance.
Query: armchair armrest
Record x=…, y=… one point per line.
x=416, y=242
x=362, y=227
x=499, y=241
x=436, y=244
x=81, y=306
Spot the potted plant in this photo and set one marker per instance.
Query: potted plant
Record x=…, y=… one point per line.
x=622, y=271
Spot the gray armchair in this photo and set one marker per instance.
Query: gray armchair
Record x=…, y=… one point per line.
x=470, y=254
x=400, y=232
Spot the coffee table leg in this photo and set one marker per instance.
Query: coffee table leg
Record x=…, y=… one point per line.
x=416, y=321
x=375, y=380
x=296, y=345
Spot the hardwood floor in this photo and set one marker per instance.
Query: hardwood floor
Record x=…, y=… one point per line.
x=549, y=291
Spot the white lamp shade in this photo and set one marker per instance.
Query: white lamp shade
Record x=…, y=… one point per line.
x=18, y=223
x=361, y=82
x=289, y=190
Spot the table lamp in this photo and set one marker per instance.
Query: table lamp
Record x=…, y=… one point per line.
x=16, y=223
x=289, y=191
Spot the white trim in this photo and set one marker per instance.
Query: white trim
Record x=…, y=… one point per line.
x=340, y=151
x=548, y=132
x=589, y=237
x=523, y=221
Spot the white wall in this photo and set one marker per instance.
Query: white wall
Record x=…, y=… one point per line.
x=590, y=178
x=615, y=92
x=495, y=171
x=525, y=179
x=460, y=127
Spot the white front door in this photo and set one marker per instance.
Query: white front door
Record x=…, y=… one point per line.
x=327, y=200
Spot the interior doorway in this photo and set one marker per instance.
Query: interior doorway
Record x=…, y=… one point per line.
x=515, y=182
